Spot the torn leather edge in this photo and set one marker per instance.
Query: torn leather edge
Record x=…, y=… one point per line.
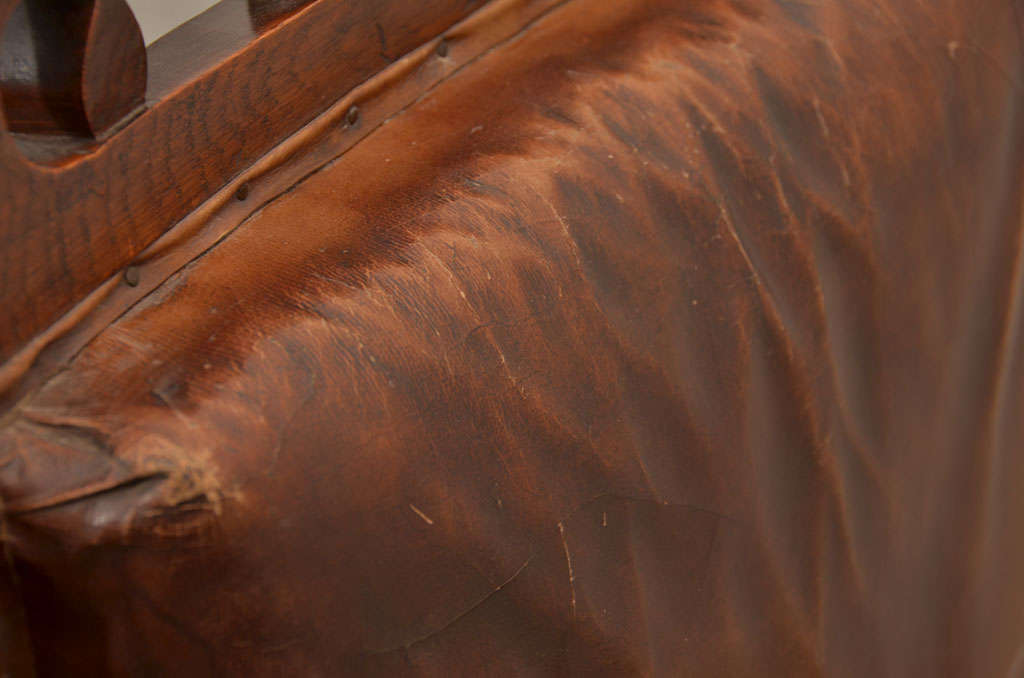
x=319, y=143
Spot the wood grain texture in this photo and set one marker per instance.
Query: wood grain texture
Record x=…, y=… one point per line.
x=220, y=94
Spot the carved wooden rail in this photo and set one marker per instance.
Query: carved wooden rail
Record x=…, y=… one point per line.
x=105, y=144
x=78, y=67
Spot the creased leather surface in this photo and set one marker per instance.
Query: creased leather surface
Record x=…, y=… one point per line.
x=673, y=338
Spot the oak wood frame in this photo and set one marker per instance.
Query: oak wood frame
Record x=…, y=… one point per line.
x=79, y=202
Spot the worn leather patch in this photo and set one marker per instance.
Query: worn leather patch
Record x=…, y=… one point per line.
x=667, y=338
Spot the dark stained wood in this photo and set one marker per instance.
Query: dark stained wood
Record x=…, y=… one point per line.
x=40, y=68
x=223, y=89
x=265, y=12
x=71, y=67
x=114, y=66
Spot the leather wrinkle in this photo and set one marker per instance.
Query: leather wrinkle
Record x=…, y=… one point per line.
x=648, y=345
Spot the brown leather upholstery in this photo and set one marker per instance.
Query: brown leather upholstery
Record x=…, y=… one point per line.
x=672, y=337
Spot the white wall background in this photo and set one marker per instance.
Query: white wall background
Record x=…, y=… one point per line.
x=157, y=17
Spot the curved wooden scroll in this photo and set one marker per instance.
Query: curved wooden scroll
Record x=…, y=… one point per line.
x=73, y=67
x=223, y=89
